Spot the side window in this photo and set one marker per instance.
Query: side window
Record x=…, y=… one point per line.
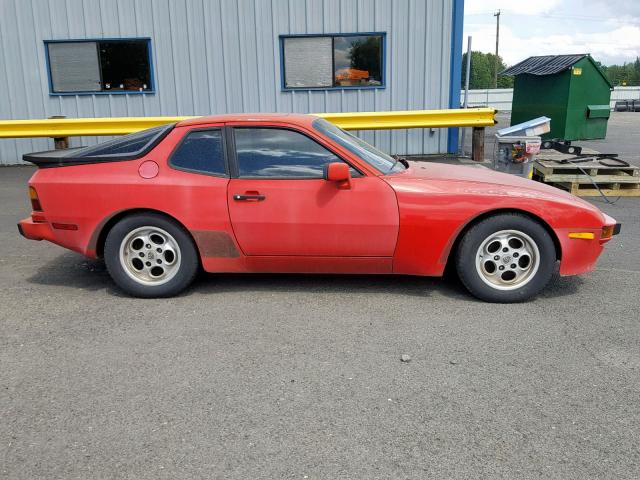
x=201, y=151
x=274, y=152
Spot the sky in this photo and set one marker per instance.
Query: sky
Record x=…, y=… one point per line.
x=609, y=30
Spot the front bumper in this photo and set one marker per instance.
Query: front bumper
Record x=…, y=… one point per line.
x=581, y=255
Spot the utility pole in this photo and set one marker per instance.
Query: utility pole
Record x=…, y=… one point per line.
x=467, y=73
x=495, y=63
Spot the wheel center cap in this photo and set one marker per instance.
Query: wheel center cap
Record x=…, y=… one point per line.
x=150, y=255
x=506, y=259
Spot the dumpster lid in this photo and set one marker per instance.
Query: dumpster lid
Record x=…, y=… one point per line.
x=550, y=65
x=544, y=65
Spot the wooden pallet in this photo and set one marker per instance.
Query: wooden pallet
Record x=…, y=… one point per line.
x=579, y=178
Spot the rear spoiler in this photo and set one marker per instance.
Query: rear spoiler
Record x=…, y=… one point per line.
x=66, y=158
x=56, y=158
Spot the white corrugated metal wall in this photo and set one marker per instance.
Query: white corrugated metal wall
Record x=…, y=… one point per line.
x=218, y=56
x=501, y=98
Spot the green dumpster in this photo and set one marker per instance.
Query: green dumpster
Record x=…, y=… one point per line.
x=570, y=89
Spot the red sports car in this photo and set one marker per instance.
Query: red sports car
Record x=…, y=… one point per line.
x=294, y=193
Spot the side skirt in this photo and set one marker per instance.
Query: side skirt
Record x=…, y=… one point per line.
x=298, y=264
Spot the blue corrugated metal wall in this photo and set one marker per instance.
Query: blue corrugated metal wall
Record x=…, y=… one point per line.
x=217, y=56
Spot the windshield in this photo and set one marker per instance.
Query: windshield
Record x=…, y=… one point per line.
x=374, y=157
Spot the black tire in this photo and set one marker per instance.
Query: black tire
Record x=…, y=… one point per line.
x=473, y=277
x=186, y=259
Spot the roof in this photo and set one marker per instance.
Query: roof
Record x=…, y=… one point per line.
x=249, y=118
x=550, y=65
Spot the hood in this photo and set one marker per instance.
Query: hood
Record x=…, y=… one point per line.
x=434, y=177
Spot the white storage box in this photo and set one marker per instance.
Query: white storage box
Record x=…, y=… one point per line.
x=515, y=154
x=537, y=126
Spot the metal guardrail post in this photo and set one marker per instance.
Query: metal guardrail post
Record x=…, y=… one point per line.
x=477, y=144
x=60, y=143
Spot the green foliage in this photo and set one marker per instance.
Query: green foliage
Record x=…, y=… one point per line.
x=482, y=65
x=627, y=74
x=482, y=68
x=365, y=55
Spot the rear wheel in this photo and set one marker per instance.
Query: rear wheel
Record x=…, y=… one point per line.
x=149, y=255
x=506, y=258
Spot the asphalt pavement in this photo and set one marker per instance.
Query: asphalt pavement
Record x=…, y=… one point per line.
x=300, y=376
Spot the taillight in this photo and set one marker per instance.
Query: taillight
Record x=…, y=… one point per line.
x=35, y=201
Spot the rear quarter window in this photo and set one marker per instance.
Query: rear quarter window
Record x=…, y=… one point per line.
x=201, y=151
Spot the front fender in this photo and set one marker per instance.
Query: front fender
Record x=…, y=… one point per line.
x=431, y=221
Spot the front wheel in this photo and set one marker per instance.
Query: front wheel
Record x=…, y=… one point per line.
x=149, y=255
x=506, y=258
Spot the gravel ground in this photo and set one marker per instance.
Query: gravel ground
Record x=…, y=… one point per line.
x=300, y=376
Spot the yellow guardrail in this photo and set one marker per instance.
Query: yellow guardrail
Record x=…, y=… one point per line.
x=78, y=127
x=470, y=117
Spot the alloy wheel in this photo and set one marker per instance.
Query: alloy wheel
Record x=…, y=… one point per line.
x=507, y=260
x=150, y=255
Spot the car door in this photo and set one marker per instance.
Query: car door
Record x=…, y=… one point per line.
x=280, y=204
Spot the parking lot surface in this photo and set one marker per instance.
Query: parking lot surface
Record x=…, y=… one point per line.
x=299, y=376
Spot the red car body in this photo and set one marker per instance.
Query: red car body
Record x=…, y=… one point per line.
x=403, y=223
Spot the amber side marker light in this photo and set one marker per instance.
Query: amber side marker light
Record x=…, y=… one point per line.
x=607, y=232
x=582, y=235
x=35, y=201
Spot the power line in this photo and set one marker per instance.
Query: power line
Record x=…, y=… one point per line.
x=627, y=20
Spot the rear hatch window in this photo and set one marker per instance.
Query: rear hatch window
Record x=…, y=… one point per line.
x=132, y=145
x=127, y=147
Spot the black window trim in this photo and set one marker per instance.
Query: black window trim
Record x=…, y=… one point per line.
x=236, y=164
x=225, y=152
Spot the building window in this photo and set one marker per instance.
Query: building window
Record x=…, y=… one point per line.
x=333, y=61
x=100, y=66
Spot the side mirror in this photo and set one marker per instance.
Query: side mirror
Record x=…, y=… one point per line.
x=338, y=172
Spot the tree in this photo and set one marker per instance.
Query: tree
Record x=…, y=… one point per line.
x=365, y=55
x=626, y=74
x=481, y=75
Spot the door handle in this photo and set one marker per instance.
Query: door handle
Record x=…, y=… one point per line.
x=249, y=198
